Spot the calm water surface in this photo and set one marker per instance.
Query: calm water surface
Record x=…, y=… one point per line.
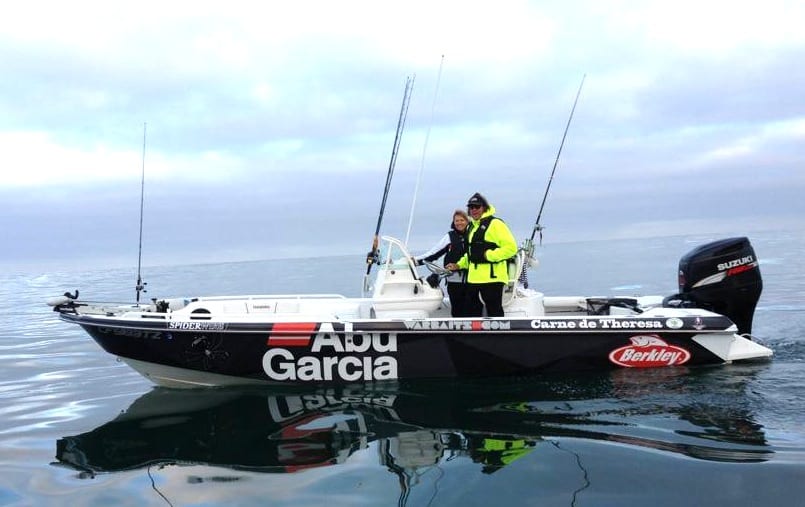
x=77, y=427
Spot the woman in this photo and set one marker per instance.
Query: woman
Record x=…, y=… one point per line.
x=452, y=247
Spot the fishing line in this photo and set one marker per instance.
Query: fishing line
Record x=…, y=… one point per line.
x=436, y=485
x=579, y=464
x=424, y=150
x=154, y=486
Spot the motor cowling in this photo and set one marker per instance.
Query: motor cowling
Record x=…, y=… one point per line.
x=722, y=277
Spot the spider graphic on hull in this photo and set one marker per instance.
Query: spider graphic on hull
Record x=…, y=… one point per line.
x=206, y=352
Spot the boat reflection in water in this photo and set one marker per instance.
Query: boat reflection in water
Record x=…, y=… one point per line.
x=704, y=415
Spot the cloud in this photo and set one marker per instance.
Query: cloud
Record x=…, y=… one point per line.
x=269, y=128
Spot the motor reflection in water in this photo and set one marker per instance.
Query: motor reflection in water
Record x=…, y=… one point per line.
x=703, y=414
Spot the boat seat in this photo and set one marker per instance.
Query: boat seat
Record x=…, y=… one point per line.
x=565, y=304
x=613, y=306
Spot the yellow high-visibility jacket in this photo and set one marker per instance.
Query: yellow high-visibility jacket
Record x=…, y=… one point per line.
x=493, y=267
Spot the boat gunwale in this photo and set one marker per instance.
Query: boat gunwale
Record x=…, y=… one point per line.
x=116, y=322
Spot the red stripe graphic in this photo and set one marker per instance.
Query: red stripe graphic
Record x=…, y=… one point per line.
x=291, y=334
x=740, y=269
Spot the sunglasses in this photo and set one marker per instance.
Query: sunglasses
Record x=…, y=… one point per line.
x=473, y=206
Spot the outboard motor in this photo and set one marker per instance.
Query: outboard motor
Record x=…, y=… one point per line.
x=722, y=277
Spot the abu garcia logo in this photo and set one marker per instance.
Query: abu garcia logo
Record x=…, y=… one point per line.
x=333, y=355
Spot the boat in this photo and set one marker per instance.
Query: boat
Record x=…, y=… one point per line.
x=401, y=328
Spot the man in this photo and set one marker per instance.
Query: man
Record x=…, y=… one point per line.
x=490, y=244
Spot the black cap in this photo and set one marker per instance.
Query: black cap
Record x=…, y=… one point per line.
x=477, y=199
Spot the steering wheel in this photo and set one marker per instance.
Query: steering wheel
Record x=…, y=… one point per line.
x=436, y=269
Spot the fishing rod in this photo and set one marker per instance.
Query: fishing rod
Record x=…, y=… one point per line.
x=529, y=243
x=372, y=256
x=140, y=285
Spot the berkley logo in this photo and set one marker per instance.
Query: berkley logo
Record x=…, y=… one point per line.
x=648, y=351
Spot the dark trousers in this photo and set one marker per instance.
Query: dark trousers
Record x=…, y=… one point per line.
x=457, y=292
x=492, y=296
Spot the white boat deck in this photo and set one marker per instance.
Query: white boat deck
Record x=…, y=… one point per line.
x=398, y=291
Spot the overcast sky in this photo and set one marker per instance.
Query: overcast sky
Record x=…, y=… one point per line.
x=270, y=125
